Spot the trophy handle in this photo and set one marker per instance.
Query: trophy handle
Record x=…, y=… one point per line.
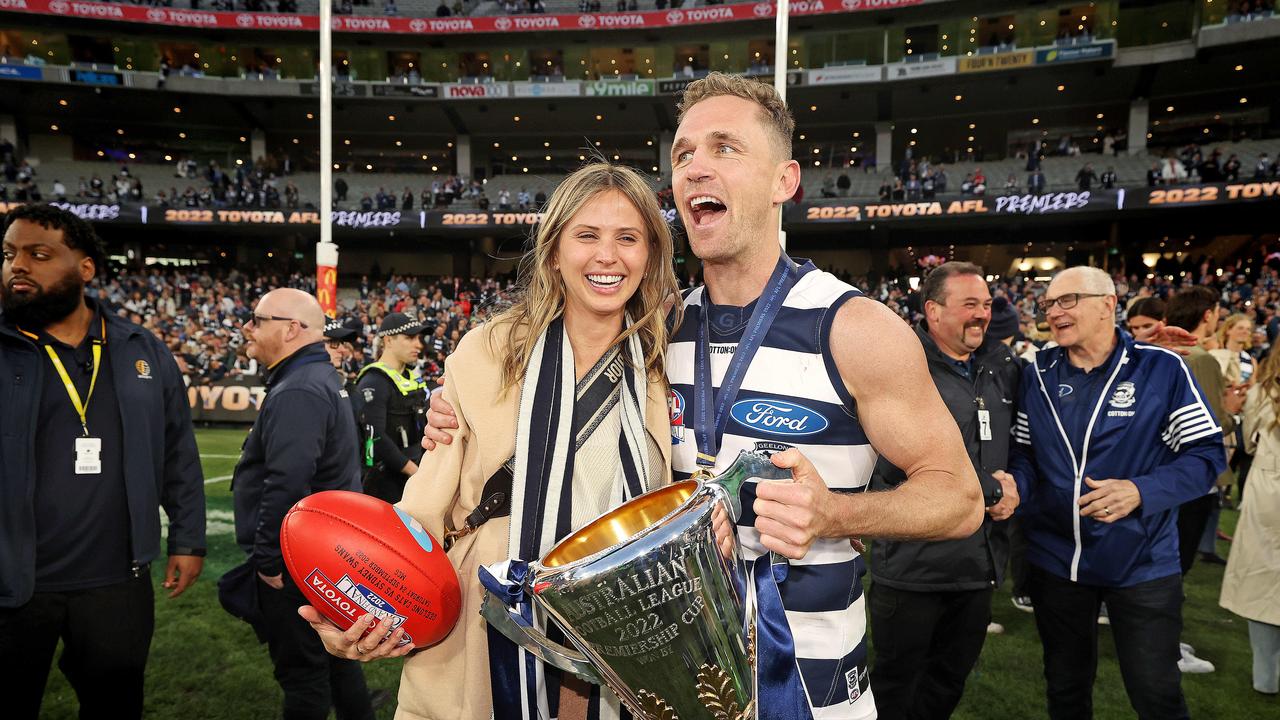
x=553, y=654
x=746, y=465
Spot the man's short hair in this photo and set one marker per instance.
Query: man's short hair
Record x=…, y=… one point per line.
x=1152, y=307
x=1187, y=308
x=76, y=233
x=934, y=286
x=1094, y=280
x=780, y=125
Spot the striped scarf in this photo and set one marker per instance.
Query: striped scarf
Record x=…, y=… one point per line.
x=551, y=410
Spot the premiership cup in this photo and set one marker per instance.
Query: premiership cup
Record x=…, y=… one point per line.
x=656, y=611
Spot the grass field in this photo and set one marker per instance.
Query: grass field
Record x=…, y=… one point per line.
x=206, y=664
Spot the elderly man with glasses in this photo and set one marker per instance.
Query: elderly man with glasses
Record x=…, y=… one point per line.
x=303, y=442
x=1111, y=436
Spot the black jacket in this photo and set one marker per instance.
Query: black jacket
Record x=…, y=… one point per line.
x=977, y=561
x=161, y=462
x=392, y=419
x=303, y=441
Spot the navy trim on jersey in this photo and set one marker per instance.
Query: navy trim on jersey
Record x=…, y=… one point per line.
x=828, y=357
x=808, y=588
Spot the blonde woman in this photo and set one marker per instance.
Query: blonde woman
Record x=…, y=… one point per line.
x=1253, y=568
x=569, y=386
x=1235, y=340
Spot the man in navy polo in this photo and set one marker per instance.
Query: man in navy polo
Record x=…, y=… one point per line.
x=1111, y=436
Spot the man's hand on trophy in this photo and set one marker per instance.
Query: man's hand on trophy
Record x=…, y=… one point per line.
x=791, y=515
x=440, y=419
x=352, y=644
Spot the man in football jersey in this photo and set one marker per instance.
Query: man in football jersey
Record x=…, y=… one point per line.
x=830, y=380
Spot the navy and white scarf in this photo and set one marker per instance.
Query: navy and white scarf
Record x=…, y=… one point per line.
x=542, y=500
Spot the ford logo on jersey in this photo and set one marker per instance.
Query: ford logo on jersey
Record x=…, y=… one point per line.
x=778, y=417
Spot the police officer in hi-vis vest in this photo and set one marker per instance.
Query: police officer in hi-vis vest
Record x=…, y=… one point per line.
x=391, y=409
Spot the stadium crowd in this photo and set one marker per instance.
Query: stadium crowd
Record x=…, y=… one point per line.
x=198, y=314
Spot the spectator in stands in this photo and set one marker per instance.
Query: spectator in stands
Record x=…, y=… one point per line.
x=1262, y=167
x=1011, y=185
x=1108, y=178
x=389, y=8
x=979, y=182
x=406, y=200
x=1154, y=175
x=1036, y=182
x=59, y=191
x=443, y=10
x=483, y=201
x=828, y=187
x=1231, y=168
x=1086, y=178
x=1173, y=171
x=912, y=187
x=504, y=200
x=366, y=203
x=928, y=185
x=340, y=190
x=540, y=200
x=886, y=190
x=843, y=184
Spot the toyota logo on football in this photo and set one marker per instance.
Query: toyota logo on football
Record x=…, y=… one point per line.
x=675, y=17
x=244, y=20
x=762, y=9
x=156, y=15
x=418, y=25
x=59, y=7
x=587, y=21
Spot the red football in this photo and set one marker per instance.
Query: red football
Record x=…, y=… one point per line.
x=353, y=554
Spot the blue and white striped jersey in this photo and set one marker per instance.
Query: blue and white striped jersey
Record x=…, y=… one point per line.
x=792, y=396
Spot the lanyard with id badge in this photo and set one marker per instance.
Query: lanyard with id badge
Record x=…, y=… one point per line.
x=984, y=420
x=88, y=460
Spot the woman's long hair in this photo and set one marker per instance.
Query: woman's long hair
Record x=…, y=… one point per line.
x=1267, y=380
x=540, y=287
x=1231, y=322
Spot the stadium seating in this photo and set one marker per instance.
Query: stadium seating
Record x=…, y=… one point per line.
x=1060, y=175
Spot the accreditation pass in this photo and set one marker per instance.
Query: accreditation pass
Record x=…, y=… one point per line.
x=88, y=456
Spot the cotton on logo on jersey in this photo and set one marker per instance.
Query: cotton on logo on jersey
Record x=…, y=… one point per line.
x=778, y=417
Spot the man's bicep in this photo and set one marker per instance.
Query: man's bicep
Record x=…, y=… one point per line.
x=883, y=366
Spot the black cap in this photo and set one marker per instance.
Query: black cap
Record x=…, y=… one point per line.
x=1004, y=320
x=336, y=329
x=400, y=324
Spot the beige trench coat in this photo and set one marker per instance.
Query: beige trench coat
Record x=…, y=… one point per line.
x=1251, y=585
x=450, y=680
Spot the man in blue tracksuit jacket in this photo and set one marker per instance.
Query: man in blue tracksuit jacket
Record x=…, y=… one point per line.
x=1111, y=436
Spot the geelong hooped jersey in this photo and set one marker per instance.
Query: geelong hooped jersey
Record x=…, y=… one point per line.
x=792, y=396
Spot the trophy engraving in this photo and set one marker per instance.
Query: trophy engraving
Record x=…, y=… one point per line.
x=654, y=609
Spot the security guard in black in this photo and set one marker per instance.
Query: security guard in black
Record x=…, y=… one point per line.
x=392, y=405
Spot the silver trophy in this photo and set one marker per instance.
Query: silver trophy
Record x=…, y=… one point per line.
x=655, y=611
